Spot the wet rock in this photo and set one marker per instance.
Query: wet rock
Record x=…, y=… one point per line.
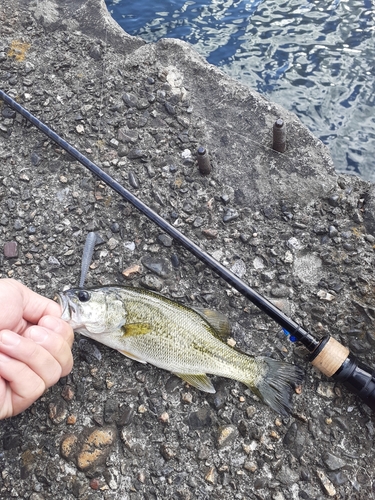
x=157, y=265
x=230, y=215
x=332, y=462
x=133, y=180
x=151, y=283
x=165, y=240
x=57, y=411
x=200, y=419
x=89, y=351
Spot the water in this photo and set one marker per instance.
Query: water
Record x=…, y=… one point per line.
x=314, y=57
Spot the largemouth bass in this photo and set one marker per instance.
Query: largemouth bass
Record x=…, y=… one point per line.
x=151, y=328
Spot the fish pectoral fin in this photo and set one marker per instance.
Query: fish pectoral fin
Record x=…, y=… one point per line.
x=132, y=356
x=218, y=321
x=200, y=381
x=134, y=329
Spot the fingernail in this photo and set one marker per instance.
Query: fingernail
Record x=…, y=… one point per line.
x=38, y=334
x=4, y=358
x=10, y=338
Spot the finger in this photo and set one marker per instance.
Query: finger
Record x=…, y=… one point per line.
x=58, y=326
x=54, y=344
x=49, y=364
x=19, y=386
x=35, y=306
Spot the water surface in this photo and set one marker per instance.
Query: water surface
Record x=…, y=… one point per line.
x=314, y=57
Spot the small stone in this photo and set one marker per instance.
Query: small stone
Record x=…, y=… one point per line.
x=80, y=129
x=324, y=295
x=187, y=397
x=200, y=419
x=11, y=249
x=157, y=265
x=333, y=232
x=238, y=268
x=58, y=411
x=53, y=262
x=332, y=462
x=230, y=215
x=210, y=234
x=167, y=451
x=35, y=159
x=165, y=240
x=226, y=435
x=71, y=420
x=164, y=418
x=8, y=112
x=151, y=283
x=326, y=483
x=250, y=466
x=67, y=393
x=130, y=272
x=112, y=243
x=88, y=351
x=133, y=180
x=210, y=476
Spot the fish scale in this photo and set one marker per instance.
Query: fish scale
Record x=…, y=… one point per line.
x=151, y=328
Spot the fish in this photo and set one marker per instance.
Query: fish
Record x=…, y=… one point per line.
x=150, y=328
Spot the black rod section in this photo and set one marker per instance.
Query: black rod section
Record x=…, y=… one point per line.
x=284, y=321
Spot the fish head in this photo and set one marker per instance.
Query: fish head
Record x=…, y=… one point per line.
x=92, y=312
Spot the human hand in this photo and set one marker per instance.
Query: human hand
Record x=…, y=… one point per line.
x=35, y=346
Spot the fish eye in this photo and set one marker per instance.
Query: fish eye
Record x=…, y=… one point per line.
x=83, y=296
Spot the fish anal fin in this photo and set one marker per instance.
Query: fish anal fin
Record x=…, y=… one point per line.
x=131, y=356
x=200, y=381
x=218, y=321
x=135, y=329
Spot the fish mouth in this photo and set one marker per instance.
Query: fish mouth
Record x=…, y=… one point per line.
x=65, y=307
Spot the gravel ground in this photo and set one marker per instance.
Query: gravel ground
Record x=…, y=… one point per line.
x=294, y=230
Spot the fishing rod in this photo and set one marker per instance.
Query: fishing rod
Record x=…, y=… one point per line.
x=327, y=354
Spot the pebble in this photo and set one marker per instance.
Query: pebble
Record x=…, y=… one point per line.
x=151, y=283
x=210, y=234
x=226, y=435
x=157, y=265
x=167, y=451
x=133, y=180
x=230, y=215
x=130, y=272
x=328, y=487
x=332, y=462
x=165, y=240
x=95, y=448
x=11, y=249
x=57, y=411
x=239, y=268
x=200, y=419
x=89, y=351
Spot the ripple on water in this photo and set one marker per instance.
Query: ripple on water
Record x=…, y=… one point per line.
x=314, y=58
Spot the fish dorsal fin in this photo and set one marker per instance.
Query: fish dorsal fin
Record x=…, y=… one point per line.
x=200, y=381
x=132, y=356
x=135, y=329
x=218, y=321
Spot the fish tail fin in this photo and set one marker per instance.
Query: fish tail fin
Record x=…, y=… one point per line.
x=277, y=385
